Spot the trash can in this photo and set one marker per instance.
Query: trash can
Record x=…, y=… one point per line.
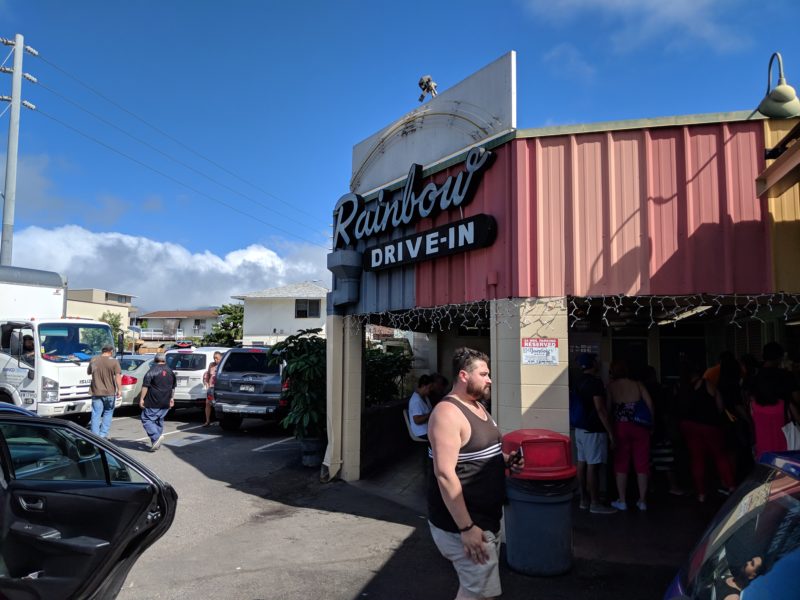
x=538, y=515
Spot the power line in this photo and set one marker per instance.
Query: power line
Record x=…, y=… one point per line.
x=172, y=138
x=166, y=155
x=173, y=179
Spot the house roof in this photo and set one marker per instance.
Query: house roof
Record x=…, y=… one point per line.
x=180, y=314
x=305, y=289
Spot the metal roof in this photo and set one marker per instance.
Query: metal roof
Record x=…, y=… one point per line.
x=305, y=289
x=180, y=314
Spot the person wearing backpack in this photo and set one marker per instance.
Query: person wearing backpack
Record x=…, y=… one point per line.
x=589, y=416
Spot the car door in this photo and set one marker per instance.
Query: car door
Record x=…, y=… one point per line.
x=76, y=511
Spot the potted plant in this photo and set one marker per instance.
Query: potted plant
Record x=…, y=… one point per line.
x=304, y=358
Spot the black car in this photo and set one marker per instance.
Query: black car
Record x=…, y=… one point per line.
x=248, y=384
x=76, y=511
x=751, y=550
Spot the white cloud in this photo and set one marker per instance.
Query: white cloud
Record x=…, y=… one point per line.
x=568, y=62
x=635, y=23
x=163, y=275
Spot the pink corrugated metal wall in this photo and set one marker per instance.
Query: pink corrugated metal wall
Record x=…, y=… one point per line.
x=662, y=211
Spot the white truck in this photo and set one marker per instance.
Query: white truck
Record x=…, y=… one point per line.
x=43, y=353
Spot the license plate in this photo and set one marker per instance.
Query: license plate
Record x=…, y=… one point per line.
x=247, y=388
x=249, y=410
x=183, y=381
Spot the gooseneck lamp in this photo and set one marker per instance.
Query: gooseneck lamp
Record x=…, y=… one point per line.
x=781, y=102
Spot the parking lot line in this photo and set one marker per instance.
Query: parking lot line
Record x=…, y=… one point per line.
x=265, y=446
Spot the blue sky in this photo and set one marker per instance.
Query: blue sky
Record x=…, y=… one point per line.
x=262, y=103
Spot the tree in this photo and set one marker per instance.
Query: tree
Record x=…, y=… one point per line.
x=229, y=329
x=114, y=320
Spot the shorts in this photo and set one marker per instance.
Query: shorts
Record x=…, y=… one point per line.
x=480, y=581
x=591, y=448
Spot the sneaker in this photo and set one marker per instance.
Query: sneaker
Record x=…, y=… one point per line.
x=157, y=444
x=602, y=509
x=641, y=505
x=619, y=505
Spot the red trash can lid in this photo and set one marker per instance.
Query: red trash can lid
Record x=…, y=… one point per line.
x=548, y=454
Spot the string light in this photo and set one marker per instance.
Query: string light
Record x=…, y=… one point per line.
x=540, y=313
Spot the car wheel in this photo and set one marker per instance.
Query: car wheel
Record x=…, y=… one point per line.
x=230, y=422
x=6, y=398
x=83, y=419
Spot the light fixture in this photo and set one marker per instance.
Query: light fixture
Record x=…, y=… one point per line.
x=781, y=102
x=687, y=313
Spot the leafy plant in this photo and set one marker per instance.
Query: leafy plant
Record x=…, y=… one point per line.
x=304, y=373
x=114, y=320
x=228, y=329
x=384, y=374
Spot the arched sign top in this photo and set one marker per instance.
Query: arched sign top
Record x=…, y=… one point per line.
x=355, y=221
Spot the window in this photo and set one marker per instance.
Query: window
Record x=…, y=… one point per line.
x=306, y=309
x=47, y=453
x=249, y=362
x=186, y=362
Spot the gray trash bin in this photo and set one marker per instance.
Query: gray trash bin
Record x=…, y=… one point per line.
x=538, y=515
x=538, y=525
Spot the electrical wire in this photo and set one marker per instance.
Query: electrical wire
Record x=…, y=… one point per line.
x=5, y=60
x=5, y=110
x=170, y=157
x=173, y=179
x=172, y=138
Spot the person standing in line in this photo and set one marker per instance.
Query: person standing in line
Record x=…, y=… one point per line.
x=439, y=388
x=632, y=440
x=592, y=434
x=106, y=387
x=466, y=486
x=209, y=379
x=419, y=407
x=158, y=391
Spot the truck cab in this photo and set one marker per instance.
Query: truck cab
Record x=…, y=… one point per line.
x=43, y=363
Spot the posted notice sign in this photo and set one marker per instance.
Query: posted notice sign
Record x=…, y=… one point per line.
x=540, y=351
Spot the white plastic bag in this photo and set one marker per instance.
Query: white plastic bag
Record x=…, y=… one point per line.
x=792, y=433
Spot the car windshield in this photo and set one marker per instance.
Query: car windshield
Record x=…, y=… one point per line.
x=186, y=361
x=68, y=342
x=249, y=362
x=754, y=543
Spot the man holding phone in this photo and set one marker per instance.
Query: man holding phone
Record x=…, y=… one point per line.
x=467, y=486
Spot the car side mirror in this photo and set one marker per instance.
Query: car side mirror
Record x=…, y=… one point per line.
x=30, y=374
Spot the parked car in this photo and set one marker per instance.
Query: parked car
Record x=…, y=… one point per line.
x=189, y=364
x=751, y=550
x=248, y=386
x=77, y=511
x=134, y=368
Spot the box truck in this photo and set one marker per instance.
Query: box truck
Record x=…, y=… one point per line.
x=43, y=352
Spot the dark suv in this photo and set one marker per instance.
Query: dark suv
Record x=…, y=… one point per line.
x=247, y=385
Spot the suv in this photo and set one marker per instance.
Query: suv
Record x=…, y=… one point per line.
x=753, y=541
x=189, y=365
x=248, y=386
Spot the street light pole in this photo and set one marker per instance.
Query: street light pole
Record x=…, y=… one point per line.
x=10, y=193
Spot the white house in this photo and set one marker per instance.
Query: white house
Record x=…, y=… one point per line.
x=177, y=324
x=273, y=314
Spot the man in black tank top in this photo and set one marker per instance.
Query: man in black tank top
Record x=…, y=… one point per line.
x=466, y=487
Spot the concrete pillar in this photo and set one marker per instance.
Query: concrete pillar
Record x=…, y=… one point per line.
x=529, y=396
x=344, y=387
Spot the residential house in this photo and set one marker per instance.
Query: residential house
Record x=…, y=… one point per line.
x=91, y=303
x=177, y=324
x=273, y=314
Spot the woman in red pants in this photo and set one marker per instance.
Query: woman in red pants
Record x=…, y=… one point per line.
x=702, y=430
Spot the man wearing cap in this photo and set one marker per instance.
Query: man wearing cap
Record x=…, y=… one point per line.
x=106, y=387
x=592, y=434
x=158, y=391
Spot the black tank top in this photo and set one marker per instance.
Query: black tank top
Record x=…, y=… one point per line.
x=480, y=469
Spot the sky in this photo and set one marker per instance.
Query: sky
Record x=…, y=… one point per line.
x=186, y=151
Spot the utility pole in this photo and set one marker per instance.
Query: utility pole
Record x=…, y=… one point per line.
x=10, y=192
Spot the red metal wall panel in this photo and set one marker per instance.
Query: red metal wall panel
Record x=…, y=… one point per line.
x=650, y=211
